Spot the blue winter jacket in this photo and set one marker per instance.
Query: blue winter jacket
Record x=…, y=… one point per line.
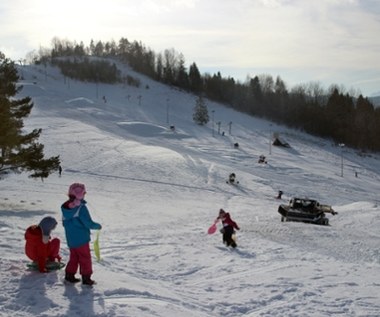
x=77, y=223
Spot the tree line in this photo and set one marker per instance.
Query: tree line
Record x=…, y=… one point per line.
x=85, y=69
x=344, y=117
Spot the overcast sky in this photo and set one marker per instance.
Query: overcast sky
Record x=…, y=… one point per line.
x=326, y=41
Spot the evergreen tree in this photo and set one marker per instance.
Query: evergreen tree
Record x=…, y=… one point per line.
x=18, y=151
x=182, y=76
x=195, y=79
x=99, y=49
x=170, y=62
x=339, y=112
x=364, y=124
x=200, y=115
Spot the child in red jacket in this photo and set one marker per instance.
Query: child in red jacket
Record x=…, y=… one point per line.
x=39, y=246
x=228, y=228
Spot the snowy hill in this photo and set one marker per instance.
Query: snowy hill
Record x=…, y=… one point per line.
x=156, y=191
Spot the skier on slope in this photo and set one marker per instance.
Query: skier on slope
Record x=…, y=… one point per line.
x=232, y=179
x=228, y=228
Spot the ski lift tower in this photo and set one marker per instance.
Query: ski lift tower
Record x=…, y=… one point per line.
x=213, y=112
x=341, y=145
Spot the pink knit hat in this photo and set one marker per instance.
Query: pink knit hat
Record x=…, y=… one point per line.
x=77, y=190
x=76, y=193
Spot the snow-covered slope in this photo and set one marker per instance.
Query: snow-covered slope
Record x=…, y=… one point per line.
x=156, y=191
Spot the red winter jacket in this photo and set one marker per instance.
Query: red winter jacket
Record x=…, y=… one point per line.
x=227, y=221
x=35, y=249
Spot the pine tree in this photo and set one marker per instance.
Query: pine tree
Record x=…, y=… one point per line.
x=19, y=151
x=182, y=76
x=195, y=79
x=200, y=115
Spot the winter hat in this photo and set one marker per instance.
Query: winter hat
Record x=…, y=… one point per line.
x=221, y=211
x=76, y=194
x=47, y=224
x=77, y=190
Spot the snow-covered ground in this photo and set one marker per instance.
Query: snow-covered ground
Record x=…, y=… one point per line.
x=156, y=192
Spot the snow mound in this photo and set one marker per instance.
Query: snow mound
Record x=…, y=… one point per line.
x=79, y=101
x=146, y=129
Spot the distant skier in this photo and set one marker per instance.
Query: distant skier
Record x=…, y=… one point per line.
x=279, y=194
x=60, y=170
x=262, y=159
x=39, y=247
x=232, y=179
x=228, y=228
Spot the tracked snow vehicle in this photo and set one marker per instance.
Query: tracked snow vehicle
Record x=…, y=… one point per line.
x=305, y=210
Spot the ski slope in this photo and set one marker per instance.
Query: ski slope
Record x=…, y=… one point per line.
x=156, y=191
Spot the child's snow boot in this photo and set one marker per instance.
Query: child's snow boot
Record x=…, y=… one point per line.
x=86, y=280
x=70, y=277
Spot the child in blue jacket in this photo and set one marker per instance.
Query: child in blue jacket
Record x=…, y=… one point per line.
x=78, y=223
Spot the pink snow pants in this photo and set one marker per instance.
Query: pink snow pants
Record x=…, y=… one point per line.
x=81, y=257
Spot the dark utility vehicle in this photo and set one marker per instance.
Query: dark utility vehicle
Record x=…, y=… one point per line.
x=305, y=210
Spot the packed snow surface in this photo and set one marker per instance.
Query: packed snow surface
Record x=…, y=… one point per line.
x=157, y=189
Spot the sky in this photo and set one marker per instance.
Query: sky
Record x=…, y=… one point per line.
x=156, y=192
x=327, y=41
